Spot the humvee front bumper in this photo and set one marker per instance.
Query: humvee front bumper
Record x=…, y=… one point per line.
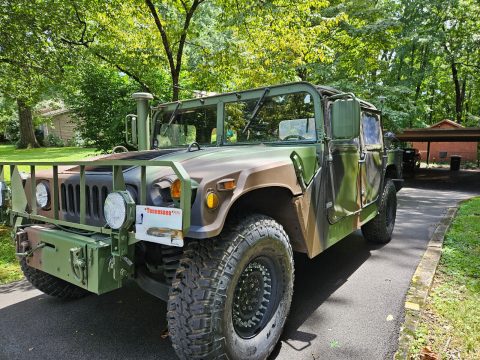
x=95, y=258
x=81, y=260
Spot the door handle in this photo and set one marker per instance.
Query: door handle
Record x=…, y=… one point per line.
x=363, y=157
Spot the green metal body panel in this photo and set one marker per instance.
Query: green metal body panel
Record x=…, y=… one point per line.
x=116, y=254
x=345, y=109
x=19, y=200
x=56, y=258
x=349, y=224
x=332, y=188
x=345, y=169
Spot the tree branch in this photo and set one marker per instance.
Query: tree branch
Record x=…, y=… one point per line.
x=122, y=69
x=83, y=22
x=163, y=34
x=184, y=4
x=22, y=66
x=468, y=65
x=183, y=37
x=86, y=44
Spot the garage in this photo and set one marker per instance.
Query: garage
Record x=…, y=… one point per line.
x=444, y=143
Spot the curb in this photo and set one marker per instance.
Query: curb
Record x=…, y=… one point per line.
x=421, y=283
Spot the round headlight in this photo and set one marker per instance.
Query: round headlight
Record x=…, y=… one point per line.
x=115, y=210
x=43, y=195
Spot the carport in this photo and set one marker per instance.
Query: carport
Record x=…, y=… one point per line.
x=430, y=135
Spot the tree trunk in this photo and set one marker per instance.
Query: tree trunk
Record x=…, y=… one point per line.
x=27, y=132
x=464, y=88
x=302, y=73
x=432, y=102
x=400, y=67
x=468, y=101
x=412, y=59
x=175, y=87
x=458, y=93
x=422, y=73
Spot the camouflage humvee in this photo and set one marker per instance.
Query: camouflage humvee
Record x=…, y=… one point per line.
x=207, y=214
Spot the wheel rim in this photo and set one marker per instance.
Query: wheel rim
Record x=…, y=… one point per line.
x=254, y=298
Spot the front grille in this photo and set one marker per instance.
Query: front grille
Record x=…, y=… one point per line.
x=95, y=198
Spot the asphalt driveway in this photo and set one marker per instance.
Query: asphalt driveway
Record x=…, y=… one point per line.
x=348, y=301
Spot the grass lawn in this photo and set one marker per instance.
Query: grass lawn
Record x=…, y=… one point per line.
x=9, y=268
x=9, y=153
x=450, y=325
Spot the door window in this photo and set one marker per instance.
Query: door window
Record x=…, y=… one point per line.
x=372, y=134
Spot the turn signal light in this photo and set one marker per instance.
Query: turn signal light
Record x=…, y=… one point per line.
x=226, y=185
x=176, y=189
x=211, y=200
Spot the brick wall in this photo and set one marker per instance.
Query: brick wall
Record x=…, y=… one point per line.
x=441, y=151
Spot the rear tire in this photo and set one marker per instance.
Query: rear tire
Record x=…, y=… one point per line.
x=380, y=228
x=51, y=285
x=231, y=295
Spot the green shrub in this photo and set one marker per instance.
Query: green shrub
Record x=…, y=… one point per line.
x=53, y=140
x=101, y=99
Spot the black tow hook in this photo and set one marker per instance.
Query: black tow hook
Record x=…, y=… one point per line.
x=31, y=251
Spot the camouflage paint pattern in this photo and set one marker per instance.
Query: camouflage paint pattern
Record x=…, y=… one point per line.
x=323, y=212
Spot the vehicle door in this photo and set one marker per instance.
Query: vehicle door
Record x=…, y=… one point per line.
x=371, y=158
x=344, y=169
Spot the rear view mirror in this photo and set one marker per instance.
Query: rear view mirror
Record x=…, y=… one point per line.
x=345, y=116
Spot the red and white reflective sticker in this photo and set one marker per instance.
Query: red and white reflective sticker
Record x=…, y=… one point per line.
x=159, y=225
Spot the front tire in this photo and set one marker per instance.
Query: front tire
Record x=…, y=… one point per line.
x=231, y=295
x=380, y=228
x=51, y=285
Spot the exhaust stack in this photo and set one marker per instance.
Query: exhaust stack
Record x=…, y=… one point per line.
x=143, y=125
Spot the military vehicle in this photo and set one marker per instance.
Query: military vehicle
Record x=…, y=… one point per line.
x=207, y=213
x=411, y=159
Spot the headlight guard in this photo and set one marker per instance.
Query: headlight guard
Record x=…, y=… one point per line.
x=119, y=210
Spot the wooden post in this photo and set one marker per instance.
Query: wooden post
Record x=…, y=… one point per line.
x=428, y=153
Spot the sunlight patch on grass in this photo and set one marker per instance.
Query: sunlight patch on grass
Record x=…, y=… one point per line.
x=9, y=153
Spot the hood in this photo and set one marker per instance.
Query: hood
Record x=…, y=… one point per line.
x=220, y=161
x=214, y=162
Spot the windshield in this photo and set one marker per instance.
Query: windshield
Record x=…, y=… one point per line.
x=280, y=118
x=186, y=126
x=288, y=117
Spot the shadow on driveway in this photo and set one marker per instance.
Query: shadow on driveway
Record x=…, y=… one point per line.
x=344, y=294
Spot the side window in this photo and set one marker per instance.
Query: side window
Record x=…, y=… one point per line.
x=371, y=132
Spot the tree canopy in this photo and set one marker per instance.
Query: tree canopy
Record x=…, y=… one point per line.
x=422, y=58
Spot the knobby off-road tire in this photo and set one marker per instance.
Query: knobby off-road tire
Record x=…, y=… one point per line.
x=51, y=285
x=380, y=228
x=231, y=295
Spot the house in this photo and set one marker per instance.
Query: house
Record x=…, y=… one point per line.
x=60, y=124
x=442, y=151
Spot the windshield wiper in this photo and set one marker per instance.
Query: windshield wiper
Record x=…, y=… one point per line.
x=256, y=109
x=172, y=117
